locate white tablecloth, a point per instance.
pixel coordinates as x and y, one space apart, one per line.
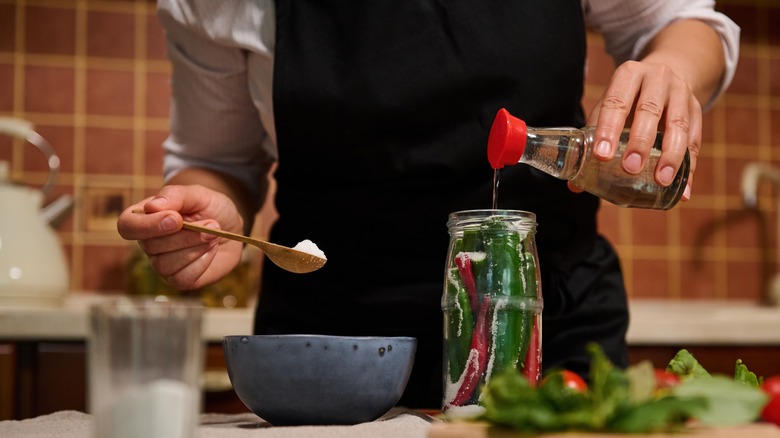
73 424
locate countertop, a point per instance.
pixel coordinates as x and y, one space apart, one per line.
71 322
703 322
653 322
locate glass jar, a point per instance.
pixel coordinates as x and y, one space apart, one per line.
492 302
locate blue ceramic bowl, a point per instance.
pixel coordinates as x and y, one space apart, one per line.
318 379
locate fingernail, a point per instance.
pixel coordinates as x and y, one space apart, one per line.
666 175
603 149
632 163
687 192
169 223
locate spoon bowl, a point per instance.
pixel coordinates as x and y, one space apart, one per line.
289 259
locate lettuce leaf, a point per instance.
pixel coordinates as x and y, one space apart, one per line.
729 402
686 366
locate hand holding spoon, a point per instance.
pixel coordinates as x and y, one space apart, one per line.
290 259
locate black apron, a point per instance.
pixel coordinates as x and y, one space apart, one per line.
382 113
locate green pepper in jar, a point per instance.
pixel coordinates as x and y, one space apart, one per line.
502 249
460 324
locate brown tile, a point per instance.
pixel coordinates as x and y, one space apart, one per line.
50 30
111 34
698 279
150 192
699 228
49 89
774 125
649 279
6 87
108 151
704 177
155 38
34 160
61 139
609 221
154 152
105 267
747 230
110 92
158 94
745 280
7 28
774 76
649 227
746 76
707 127
742 127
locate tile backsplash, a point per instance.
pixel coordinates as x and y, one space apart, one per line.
93 78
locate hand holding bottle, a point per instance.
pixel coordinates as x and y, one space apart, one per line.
567 153
652 98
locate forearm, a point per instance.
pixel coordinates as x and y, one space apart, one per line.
224 184
694 52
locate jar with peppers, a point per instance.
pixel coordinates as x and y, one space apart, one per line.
492 302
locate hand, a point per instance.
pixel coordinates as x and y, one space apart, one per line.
653 99
186 259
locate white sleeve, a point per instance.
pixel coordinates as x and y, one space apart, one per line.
627 27
214 122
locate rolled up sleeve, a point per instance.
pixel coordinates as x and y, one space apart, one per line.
214 122
628 26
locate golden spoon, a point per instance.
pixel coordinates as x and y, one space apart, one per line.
289 259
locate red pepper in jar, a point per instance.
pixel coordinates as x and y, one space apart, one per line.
532 370
478 356
463 260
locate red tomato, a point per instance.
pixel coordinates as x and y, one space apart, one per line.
666 379
574 381
771 412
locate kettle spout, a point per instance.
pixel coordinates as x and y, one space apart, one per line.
57 210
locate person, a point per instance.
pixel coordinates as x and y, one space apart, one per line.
377 114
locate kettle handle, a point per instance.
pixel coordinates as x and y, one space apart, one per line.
23 130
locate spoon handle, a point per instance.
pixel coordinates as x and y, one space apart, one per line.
226 234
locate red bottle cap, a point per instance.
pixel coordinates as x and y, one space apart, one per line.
506 142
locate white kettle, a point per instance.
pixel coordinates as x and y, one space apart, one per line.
33 269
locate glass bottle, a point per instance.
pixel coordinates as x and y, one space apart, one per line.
567 153
492 302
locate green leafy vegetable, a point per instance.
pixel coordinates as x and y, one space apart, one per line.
729 402
609 405
658 415
743 375
641 381
686 366
622 401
